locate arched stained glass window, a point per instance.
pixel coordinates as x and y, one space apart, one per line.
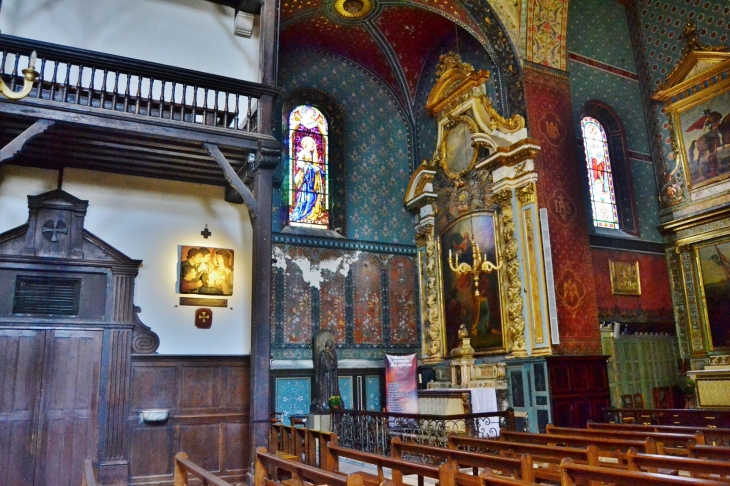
600 179
308 169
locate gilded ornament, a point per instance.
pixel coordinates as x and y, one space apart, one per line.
353 9
509 125
527 194
434 344
516 321
450 61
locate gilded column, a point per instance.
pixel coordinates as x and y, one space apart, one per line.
516 319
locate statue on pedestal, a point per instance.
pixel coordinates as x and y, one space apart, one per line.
324 377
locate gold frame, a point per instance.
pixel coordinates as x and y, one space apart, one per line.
615 284
700 285
677 110
501 279
452 123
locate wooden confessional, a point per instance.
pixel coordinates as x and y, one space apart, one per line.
68 329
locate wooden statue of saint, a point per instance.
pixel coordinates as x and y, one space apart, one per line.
324 376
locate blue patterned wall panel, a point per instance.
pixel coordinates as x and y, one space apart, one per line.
598 29
345 383
376 147
292 397
647 203
620 93
372 393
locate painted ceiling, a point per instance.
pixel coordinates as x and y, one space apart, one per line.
392 38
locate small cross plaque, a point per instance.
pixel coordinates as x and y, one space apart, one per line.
206 233
203 318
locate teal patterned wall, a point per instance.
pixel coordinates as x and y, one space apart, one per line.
658 39
292 397
598 30
377 146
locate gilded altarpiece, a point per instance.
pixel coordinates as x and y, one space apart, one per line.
476 202
695 97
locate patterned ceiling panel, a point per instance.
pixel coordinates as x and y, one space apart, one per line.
412 33
290 8
351 41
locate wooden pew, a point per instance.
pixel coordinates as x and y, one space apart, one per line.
647 446
574 474
713 436
694 466
267 468
398 467
88 478
508 466
184 467
306 445
716 453
547 458
667 443
449 475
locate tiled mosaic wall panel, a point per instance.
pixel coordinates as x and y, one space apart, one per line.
292 397
370 299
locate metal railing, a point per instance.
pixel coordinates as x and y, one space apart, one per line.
373 431
106 82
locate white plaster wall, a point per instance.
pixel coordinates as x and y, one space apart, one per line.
192 34
148 219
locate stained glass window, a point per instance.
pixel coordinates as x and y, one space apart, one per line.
308 174
600 180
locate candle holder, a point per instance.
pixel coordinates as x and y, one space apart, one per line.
479 265
29 77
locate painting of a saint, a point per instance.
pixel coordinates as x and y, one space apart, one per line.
308 181
206 271
714 260
481 314
705 133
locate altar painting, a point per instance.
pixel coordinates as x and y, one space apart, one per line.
481 314
714 263
308 177
704 135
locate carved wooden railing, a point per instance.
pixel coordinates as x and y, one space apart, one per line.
373 431
119 84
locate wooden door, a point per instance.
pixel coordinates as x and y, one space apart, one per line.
21 360
68 431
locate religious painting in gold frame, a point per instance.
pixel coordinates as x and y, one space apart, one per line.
713 268
458 152
702 132
481 314
625 278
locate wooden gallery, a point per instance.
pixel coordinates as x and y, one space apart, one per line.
364 242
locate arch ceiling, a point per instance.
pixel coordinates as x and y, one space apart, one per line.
392 38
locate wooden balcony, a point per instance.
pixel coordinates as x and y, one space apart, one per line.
116 114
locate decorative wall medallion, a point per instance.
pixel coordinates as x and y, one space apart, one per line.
562 207
51 230
552 128
353 9
570 290
625 278
203 318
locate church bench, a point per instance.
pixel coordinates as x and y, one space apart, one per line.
647 445
307 445
713 436
670 443
398 467
268 472
516 467
449 475
88 478
184 467
546 458
574 474
694 466
718 453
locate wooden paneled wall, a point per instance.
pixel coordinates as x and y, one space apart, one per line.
208 402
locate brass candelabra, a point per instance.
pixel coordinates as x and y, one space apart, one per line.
30 76
479 265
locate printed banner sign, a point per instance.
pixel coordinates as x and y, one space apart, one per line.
401 389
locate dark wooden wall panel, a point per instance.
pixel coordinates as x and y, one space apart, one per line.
579 386
207 399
